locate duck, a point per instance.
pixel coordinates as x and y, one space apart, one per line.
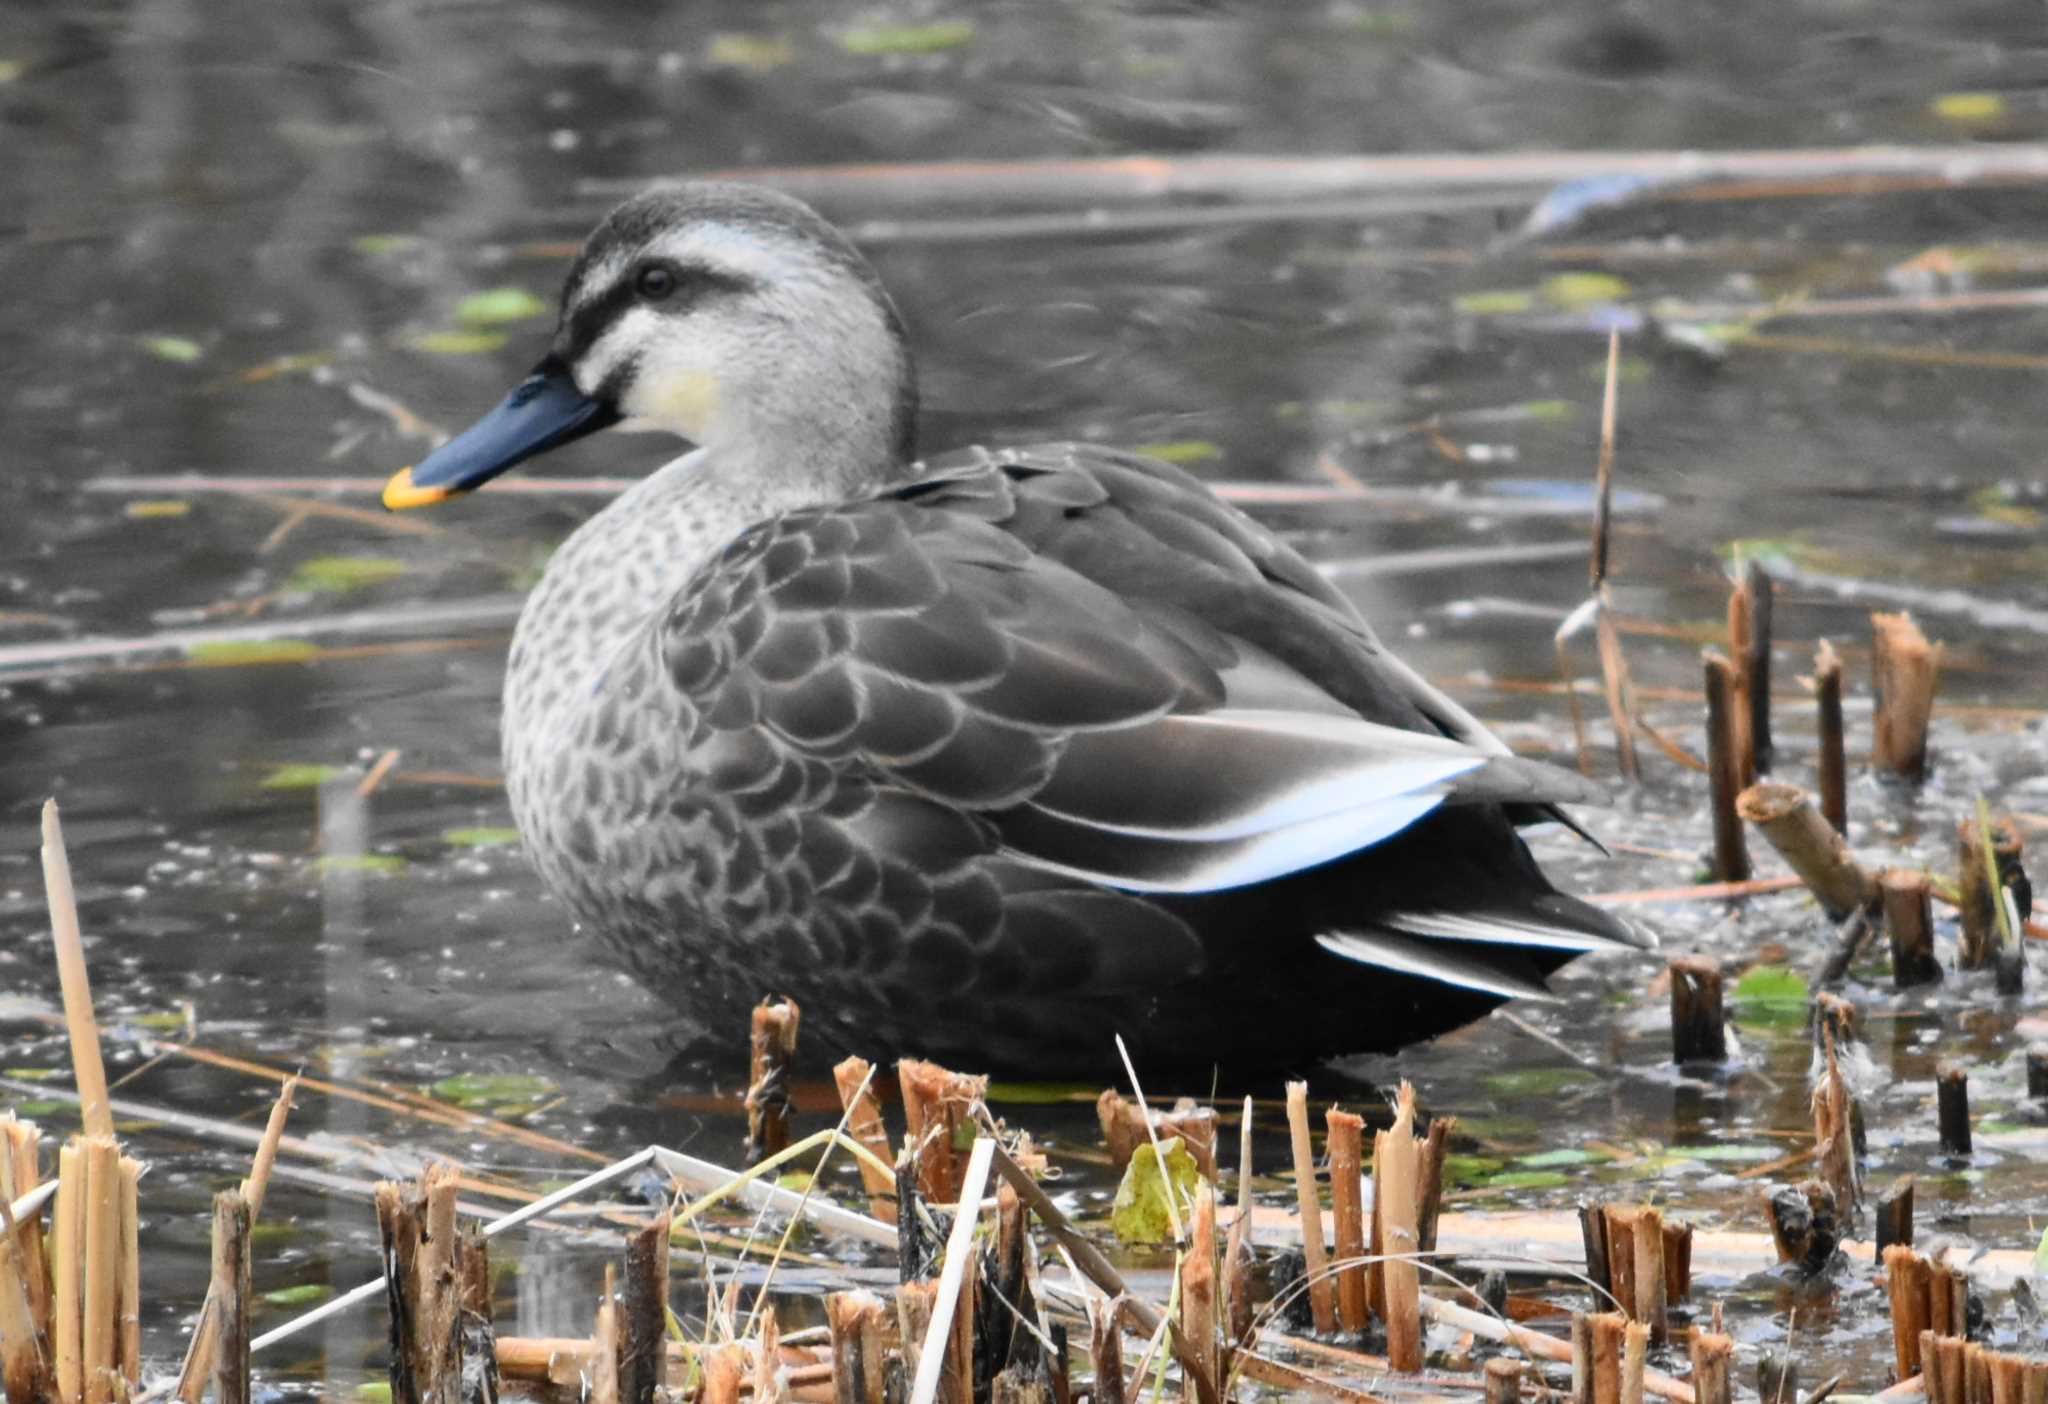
990 756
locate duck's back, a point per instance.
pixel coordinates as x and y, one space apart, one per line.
1046 744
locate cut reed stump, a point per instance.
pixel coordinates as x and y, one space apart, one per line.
1749 639
1982 906
2037 1071
1123 1126
1503 1381
1396 1202
1805 1226
230 1289
1833 1134
1810 846
1699 1032
1314 1255
1903 668
1952 1110
1724 767
855 1080
1346 1134
1894 1215
1777 1379
1712 1357
1198 1314
936 1105
771 1047
1831 770
1909 925
25 1368
424 1286
643 1323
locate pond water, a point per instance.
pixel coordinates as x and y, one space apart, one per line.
295 242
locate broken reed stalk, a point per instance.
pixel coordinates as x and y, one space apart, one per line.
1538 1345
2037 1071
1311 1205
1831 769
478 1346
1724 767
643 1322
855 1320
771 1049
1610 1328
1239 1308
1982 902
1396 1203
854 1077
947 1347
1906 1276
1894 1215
198 1366
1832 1138
1198 1321
1804 1226
1712 1378
1503 1381
1903 668
1952 1106
1635 1348
1811 846
67 1234
94 1108
1345 1133
1621 1254
25 1372
1749 640
1127 1125
1699 1029
229 1289
1105 1349
1431 1173
1649 1306
103 1271
1909 925
1614 676
1677 1262
936 1104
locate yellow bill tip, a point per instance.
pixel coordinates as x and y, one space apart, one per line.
402 492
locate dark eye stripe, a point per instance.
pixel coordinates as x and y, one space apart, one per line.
589 321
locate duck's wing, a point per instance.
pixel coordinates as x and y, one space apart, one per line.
1043 670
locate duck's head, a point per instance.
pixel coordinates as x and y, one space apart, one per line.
729 315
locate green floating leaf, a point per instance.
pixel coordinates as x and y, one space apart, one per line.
336 575
181 349
374 1392
272 1233
360 863
1463 1169
161 507
455 343
796 1180
1139 1213
907 38
236 653
1528 1180
1533 1082
1969 107
1576 290
758 53
304 1295
1771 994
36 1107
159 1019
378 245
1733 1153
480 837
299 776
1180 451
1039 1094
1556 1159
2041 1256
498 306
493 1089
1500 302
32 1074
1548 411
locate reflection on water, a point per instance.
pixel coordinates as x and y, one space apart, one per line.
291 241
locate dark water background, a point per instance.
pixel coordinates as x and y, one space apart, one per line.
238 241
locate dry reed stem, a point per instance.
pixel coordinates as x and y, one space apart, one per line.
23 1151
936 1104
90 1072
1831 778
771 1044
1712 1355
725 1372
1903 669
67 1286
1609 1329
1731 857
1906 1283
1396 1202
1344 1132
1198 1318
1649 1305
24 1361
102 1244
854 1078
1909 926
643 1320
1831 1131
1980 903
128 1305
1811 846
944 1349
230 1288
1310 1203
1536 1344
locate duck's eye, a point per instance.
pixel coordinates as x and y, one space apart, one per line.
656 282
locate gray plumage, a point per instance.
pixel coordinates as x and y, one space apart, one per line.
988 755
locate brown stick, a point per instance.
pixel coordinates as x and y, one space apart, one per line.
1198 1320
230 1288
1310 1202
854 1078
1810 845
1635 1348
91 1073
1832 1135
1903 667
1906 1278
1753 655
1649 1305
1895 1217
1909 924
1431 1172
643 1321
1621 1253
1677 1262
1832 771
725 1374
1724 768
1345 1135
1699 1031
1952 1098
1395 1202
67 1279
771 1048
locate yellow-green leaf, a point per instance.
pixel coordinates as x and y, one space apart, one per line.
498 306
1499 302
182 349
1573 290
1182 451
454 343
1969 107
756 52
153 508
493 1089
907 38
1139 1213
334 575
360 863
235 653
482 837
303 1295
299 776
